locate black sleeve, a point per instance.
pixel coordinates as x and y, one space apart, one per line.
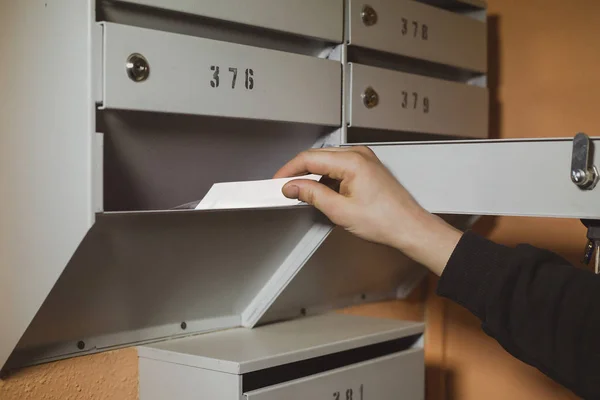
542 310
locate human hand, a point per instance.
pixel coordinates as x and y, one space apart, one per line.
371 203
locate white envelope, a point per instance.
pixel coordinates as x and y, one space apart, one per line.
250 194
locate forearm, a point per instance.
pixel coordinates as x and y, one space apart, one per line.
431 242
538 307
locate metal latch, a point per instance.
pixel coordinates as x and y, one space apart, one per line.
593 245
583 173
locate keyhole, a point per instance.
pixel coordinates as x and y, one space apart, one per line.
137 67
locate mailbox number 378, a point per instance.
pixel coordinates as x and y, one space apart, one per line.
215 82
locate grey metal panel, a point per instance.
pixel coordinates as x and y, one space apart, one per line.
417 30
528 178
341 272
288 270
285 87
46 135
397 376
98 173
239 351
417 104
161 380
347 271
321 19
137 276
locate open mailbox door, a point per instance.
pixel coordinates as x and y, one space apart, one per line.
142 277
497 177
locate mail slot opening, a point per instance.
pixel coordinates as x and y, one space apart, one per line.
161 161
401 63
300 369
459 6
366 135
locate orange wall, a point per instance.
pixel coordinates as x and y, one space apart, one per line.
105 376
544 60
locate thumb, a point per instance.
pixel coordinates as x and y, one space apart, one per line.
316 194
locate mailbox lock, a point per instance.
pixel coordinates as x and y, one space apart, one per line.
368 15
370 97
137 67
583 173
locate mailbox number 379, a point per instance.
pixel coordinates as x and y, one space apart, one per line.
216 77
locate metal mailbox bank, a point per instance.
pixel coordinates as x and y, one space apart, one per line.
114 113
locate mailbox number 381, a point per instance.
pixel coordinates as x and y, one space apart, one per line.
349 394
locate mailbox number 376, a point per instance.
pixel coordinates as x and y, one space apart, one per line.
233 71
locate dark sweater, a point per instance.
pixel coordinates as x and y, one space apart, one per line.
541 309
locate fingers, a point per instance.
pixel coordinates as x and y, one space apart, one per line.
335 163
318 195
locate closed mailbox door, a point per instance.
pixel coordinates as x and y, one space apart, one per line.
413 29
190 75
398 376
414 103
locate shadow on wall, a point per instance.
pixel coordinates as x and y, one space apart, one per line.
482 351
439 378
